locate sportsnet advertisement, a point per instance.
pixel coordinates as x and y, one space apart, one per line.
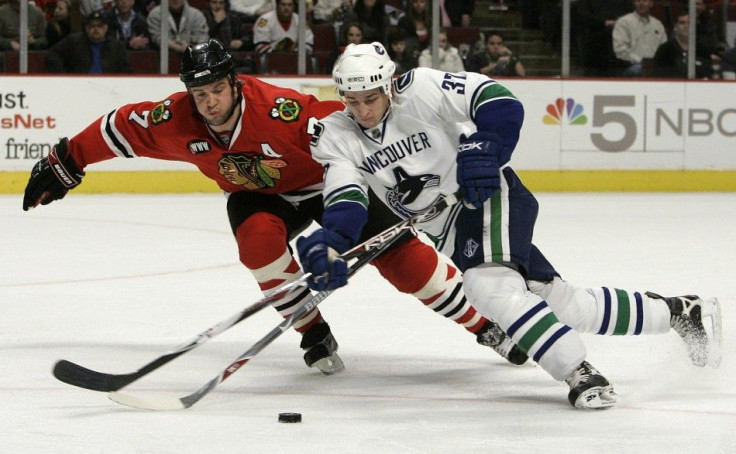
570 125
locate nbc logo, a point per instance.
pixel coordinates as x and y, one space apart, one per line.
568 109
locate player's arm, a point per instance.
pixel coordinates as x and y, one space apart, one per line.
62 170
498 116
346 213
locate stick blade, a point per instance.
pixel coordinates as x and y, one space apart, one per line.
158 403
76 375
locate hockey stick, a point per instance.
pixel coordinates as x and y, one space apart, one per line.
371 249
76 375
80 376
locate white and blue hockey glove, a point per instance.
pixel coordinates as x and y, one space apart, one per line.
318 255
478 167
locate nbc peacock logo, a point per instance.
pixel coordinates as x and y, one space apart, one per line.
566 109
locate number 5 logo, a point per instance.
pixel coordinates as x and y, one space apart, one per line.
603 115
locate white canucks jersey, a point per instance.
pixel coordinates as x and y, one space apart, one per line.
409 159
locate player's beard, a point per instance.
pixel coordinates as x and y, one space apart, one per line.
224 118
220 120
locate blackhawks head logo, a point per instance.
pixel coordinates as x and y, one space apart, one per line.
251 172
161 112
286 109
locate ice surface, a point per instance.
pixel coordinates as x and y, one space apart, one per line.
112 282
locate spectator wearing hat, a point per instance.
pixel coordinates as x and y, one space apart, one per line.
90 51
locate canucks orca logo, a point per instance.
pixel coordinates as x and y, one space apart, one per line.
408 189
379 49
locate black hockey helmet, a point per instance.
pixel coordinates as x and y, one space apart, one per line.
205 63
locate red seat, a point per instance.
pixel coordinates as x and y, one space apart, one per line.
36 63
199 4
324 37
144 61
286 63
463 35
174 62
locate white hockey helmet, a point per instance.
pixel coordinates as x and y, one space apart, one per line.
364 67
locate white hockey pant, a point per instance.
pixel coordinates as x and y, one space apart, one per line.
501 294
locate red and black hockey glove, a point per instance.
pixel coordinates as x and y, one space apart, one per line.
52 177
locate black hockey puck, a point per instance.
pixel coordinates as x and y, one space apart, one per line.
290 417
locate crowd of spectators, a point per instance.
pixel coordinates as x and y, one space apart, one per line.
610 37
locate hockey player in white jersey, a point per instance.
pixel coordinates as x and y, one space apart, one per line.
429 134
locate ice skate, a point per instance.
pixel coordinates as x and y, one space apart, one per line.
589 389
491 335
698 323
321 348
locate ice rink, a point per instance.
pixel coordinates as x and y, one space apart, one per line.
112 282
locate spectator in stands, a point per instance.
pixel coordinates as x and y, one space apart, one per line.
250 10
10 27
226 27
729 64
128 25
637 35
330 12
456 13
371 14
60 23
594 27
352 34
417 23
707 37
670 60
398 51
187 25
449 56
47 6
497 60
87 7
143 7
277 30
90 51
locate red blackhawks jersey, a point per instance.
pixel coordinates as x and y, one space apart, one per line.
267 152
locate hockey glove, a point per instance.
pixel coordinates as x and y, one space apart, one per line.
318 255
52 177
478 167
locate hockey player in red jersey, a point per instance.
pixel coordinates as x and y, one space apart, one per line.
252 139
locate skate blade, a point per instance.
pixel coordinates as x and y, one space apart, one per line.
330 365
597 398
713 324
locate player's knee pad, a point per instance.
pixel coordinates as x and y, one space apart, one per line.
574 306
493 290
262 238
500 293
411 266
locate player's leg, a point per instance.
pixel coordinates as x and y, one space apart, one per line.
613 311
415 268
262 225
493 246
